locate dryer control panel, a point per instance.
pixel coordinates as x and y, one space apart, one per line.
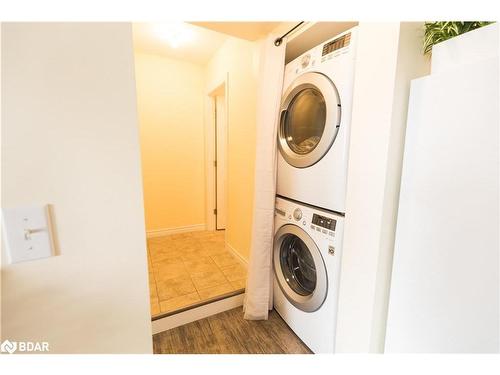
325 57
336 44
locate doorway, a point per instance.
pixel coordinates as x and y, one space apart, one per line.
183 133
218 99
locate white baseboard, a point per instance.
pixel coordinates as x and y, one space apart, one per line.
238 256
197 313
168 231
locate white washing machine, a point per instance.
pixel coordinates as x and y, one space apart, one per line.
306 264
314 124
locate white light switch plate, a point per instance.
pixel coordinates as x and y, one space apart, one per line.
27 233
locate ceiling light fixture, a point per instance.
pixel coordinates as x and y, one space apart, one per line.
175 33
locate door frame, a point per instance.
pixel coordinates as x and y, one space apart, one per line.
210 150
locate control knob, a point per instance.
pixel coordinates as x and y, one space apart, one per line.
297 214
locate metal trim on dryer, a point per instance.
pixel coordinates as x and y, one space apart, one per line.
322 84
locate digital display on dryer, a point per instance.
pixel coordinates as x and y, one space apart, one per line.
336 44
324 222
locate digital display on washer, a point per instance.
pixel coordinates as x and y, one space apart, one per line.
324 222
336 44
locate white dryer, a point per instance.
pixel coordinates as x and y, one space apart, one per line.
306 264
314 124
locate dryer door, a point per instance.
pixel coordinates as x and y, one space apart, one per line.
299 268
309 119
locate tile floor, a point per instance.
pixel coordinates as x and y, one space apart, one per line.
188 268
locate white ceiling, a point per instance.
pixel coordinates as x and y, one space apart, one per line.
203 41
244 30
198 48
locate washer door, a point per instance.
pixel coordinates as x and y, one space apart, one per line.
309 119
299 268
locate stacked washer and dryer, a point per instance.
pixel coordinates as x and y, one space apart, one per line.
313 141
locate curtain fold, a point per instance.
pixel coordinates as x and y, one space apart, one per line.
259 285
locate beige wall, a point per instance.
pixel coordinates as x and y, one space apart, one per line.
70 138
170 96
237 59
1 124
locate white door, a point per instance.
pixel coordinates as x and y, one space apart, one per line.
220 162
309 119
299 268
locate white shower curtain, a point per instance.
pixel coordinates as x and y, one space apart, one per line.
259 286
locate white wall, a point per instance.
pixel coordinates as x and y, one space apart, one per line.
445 283
70 138
383 74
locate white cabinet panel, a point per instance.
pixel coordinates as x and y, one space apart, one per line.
445 281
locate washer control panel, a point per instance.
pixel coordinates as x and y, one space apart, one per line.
316 222
323 224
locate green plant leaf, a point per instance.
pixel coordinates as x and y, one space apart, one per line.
439 31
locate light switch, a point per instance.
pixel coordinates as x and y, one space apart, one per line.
27 233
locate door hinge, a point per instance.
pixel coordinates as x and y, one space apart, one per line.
215 211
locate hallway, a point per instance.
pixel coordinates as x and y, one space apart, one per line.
189 268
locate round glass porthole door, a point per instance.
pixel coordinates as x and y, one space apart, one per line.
297 265
304 122
299 268
309 119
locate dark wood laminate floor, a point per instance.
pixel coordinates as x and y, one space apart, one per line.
229 333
